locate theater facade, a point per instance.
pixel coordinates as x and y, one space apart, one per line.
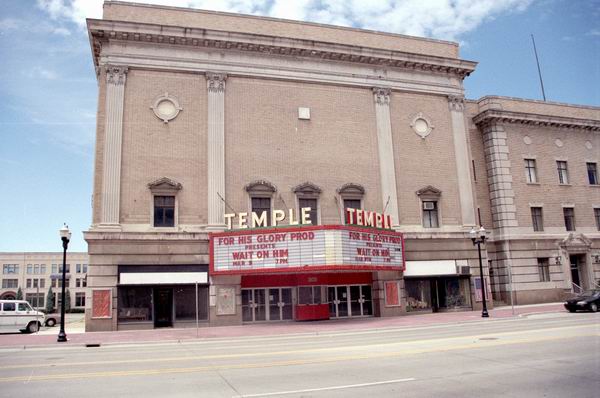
252 169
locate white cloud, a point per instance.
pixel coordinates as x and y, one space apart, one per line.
443 19
594 32
39 72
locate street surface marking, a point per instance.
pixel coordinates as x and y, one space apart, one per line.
377 383
413 351
292 352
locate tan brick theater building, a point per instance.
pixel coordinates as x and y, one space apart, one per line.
221 136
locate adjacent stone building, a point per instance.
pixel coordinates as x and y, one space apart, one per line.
203 114
35 272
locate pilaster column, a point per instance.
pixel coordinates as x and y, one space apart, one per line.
504 210
387 169
461 152
113 128
216 148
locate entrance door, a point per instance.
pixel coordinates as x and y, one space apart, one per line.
575 273
274 305
350 301
163 307
280 304
256 301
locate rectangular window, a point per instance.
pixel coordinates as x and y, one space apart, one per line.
79 299
43 269
29 269
544 269
537 218
60 268
135 303
54 268
10 283
530 171
42 283
84 268
164 211
592 170
36 300
10 269
597 218
77 282
28 284
185 303
430 214
261 205
84 282
312 203
308 295
58 282
569 214
36 269
9 307
352 204
35 282
78 268
563 174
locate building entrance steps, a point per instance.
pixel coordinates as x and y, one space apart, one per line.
77 337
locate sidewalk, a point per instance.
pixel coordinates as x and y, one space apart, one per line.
77 336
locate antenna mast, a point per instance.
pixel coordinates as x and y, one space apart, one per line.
538 67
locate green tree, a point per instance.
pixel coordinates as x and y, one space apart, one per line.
67 300
19 294
50 301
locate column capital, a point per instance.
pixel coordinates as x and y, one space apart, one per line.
456 103
382 95
116 74
215 82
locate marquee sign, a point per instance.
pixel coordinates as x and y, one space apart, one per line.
330 247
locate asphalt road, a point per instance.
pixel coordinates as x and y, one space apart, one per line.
550 355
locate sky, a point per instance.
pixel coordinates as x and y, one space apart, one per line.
48 87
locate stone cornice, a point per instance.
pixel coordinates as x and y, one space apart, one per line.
491 116
101 31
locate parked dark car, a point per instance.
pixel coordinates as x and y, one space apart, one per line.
588 300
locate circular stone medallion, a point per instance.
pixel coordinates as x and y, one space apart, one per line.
588 145
166 107
527 140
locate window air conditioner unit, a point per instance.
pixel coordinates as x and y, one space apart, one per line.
463 270
428 206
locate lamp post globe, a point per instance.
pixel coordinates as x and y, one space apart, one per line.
65 236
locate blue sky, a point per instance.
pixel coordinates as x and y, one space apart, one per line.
48 85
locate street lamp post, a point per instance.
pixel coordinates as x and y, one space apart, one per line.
478 238
65 236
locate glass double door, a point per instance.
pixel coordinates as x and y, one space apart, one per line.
350 301
272 304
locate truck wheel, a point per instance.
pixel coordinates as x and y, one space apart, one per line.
33 327
51 322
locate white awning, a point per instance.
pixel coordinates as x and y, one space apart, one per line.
162 278
430 268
